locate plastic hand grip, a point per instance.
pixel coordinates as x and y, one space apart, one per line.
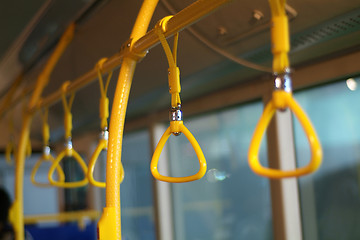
281 100
61 156
90 174
42 159
178 126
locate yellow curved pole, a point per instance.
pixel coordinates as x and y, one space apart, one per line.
16 212
109 226
178 127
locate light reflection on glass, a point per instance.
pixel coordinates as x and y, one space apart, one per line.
351 84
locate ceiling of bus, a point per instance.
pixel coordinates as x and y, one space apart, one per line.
30 29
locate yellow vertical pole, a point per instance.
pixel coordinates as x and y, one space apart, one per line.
17 209
109 226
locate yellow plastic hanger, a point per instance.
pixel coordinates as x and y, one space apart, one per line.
69 151
176 121
46 156
281 99
10 146
104 114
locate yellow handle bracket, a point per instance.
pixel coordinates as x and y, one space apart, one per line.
178 127
281 100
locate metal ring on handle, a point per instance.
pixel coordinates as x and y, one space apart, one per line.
68 152
103 144
43 158
281 100
178 127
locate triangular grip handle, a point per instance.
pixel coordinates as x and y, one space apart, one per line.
155 159
90 174
281 100
78 158
42 159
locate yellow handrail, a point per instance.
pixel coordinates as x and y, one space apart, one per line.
69 151
78 216
109 226
46 156
16 211
176 124
104 114
281 99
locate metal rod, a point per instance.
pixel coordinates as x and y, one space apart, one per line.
181 20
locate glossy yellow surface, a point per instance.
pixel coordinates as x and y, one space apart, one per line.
109 226
281 100
178 126
280 43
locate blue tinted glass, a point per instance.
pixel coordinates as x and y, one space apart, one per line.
330 198
230 202
137 213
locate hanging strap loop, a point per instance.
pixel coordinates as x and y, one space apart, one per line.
46 156
104 114
69 151
173 70
104 100
281 99
176 120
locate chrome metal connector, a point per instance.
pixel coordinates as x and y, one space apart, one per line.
104 134
283 81
46 150
68 143
176 114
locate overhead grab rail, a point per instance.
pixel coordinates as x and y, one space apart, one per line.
69 151
46 156
104 136
282 99
176 119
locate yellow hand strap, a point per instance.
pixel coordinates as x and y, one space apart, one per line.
279 36
176 124
104 100
281 99
173 71
103 143
46 154
68 151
